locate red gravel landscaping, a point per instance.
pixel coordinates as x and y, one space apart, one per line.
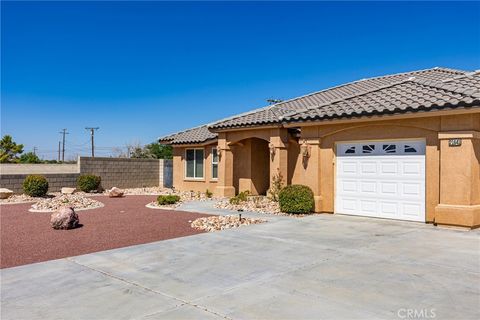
27 237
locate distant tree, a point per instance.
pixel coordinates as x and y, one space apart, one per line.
160 151
9 150
140 153
29 157
50 161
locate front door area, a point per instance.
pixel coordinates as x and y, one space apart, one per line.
383 179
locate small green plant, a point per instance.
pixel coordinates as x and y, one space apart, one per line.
208 194
88 182
239 198
35 186
277 185
296 199
167 199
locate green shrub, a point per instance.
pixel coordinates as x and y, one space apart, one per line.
208 193
241 197
167 199
296 199
35 186
88 182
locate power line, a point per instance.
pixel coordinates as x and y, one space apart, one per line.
92 134
63 132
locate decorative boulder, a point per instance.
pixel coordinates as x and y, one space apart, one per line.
115 192
66 218
66 190
5 193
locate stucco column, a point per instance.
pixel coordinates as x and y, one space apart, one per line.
459 179
310 154
225 186
278 154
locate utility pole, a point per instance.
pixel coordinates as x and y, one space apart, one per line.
92 135
63 132
59 151
35 150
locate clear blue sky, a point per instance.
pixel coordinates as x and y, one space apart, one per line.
142 70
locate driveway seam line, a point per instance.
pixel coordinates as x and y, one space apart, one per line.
151 290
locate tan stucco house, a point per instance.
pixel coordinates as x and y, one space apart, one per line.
403 146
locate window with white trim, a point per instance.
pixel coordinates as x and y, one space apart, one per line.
214 163
194 163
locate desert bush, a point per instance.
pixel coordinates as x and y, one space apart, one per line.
241 197
35 186
277 185
296 199
167 199
88 182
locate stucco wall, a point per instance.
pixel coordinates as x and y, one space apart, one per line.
186 184
452 173
251 166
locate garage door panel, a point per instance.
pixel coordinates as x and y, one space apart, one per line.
369 187
369 206
348 167
349 205
389 188
368 167
412 168
412 189
348 186
389 208
382 179
388 167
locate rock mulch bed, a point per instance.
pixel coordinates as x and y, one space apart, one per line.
184 196
217 223
259 204
19 198
254 204
155 205
76 201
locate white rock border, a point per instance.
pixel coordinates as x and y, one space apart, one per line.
76 209
18 202
152 206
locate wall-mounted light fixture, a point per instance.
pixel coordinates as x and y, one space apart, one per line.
305 149
271 146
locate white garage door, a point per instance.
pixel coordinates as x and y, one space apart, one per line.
381 179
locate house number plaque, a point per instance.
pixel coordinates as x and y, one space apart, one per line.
454 142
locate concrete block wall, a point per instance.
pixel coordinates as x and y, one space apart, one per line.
115 172
56 181
38 168
123 172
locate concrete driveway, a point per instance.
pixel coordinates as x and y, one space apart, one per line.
323 266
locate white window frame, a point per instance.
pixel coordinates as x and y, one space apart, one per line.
214 163
194 164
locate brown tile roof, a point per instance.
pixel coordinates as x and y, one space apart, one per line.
410 95
194 135
404 92
272 114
